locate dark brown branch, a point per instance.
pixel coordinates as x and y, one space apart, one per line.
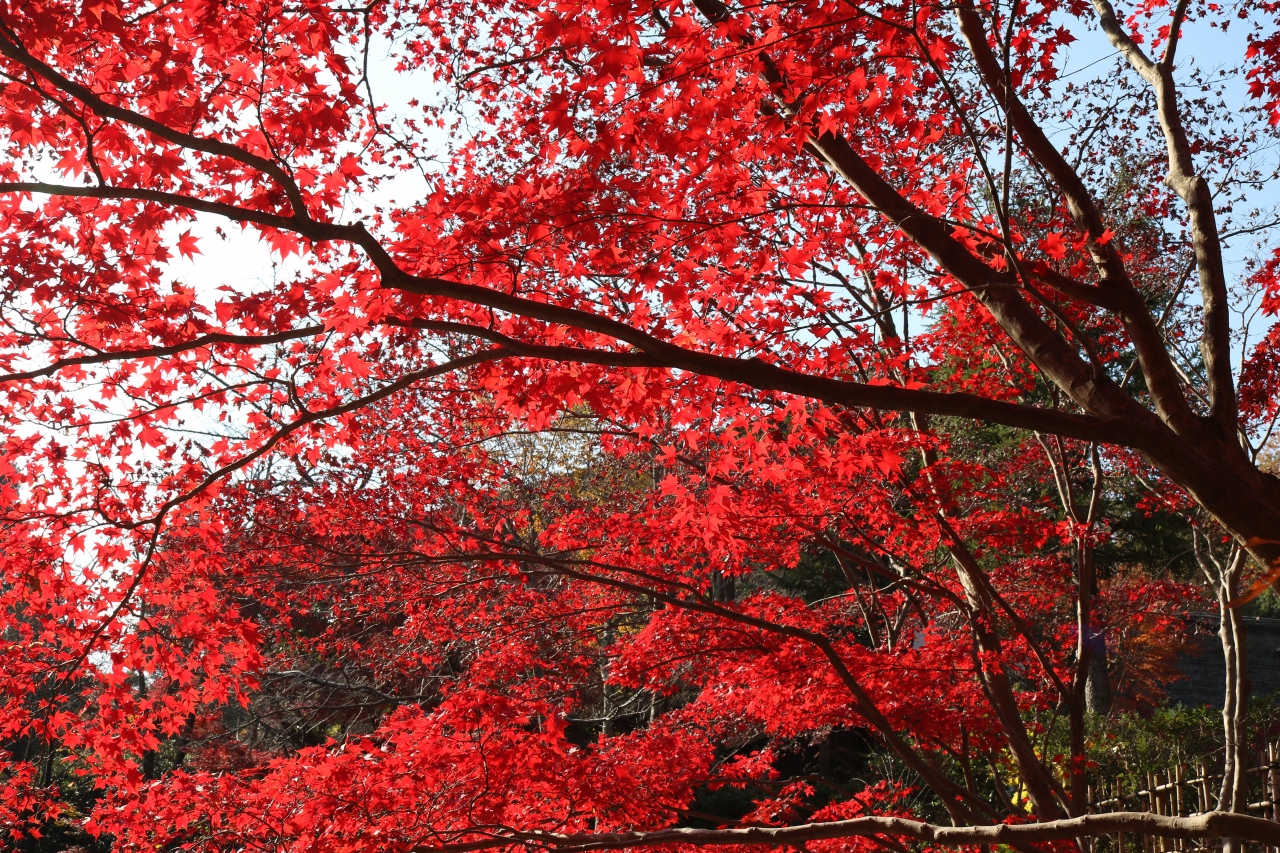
12 48
578 355
1120 293
754 372
997 291
160 351
230 211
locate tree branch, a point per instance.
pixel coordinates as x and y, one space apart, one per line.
12 48
160 351
1204 826
1193 189
1130 430
1162 378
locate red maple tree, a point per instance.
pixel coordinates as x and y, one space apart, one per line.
745 390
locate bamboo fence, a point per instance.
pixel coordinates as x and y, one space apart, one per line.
1180 791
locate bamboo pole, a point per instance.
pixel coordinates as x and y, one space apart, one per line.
1274 780
1148 842
1120 804
1179 778
1203 790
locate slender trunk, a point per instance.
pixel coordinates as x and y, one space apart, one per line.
1235 706
723 588
148 756
1097 683
1097 688
1042 788
1233 795
1084 659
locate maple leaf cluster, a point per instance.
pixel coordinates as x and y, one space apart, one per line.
677 416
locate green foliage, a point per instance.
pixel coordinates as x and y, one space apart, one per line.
1159 542
1129 746
1266 605
816 576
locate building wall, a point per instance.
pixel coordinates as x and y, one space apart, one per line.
1205 676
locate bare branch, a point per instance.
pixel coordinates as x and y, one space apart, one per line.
1204 826
1193 189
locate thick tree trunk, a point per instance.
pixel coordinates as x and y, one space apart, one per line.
1093 643
1217 473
